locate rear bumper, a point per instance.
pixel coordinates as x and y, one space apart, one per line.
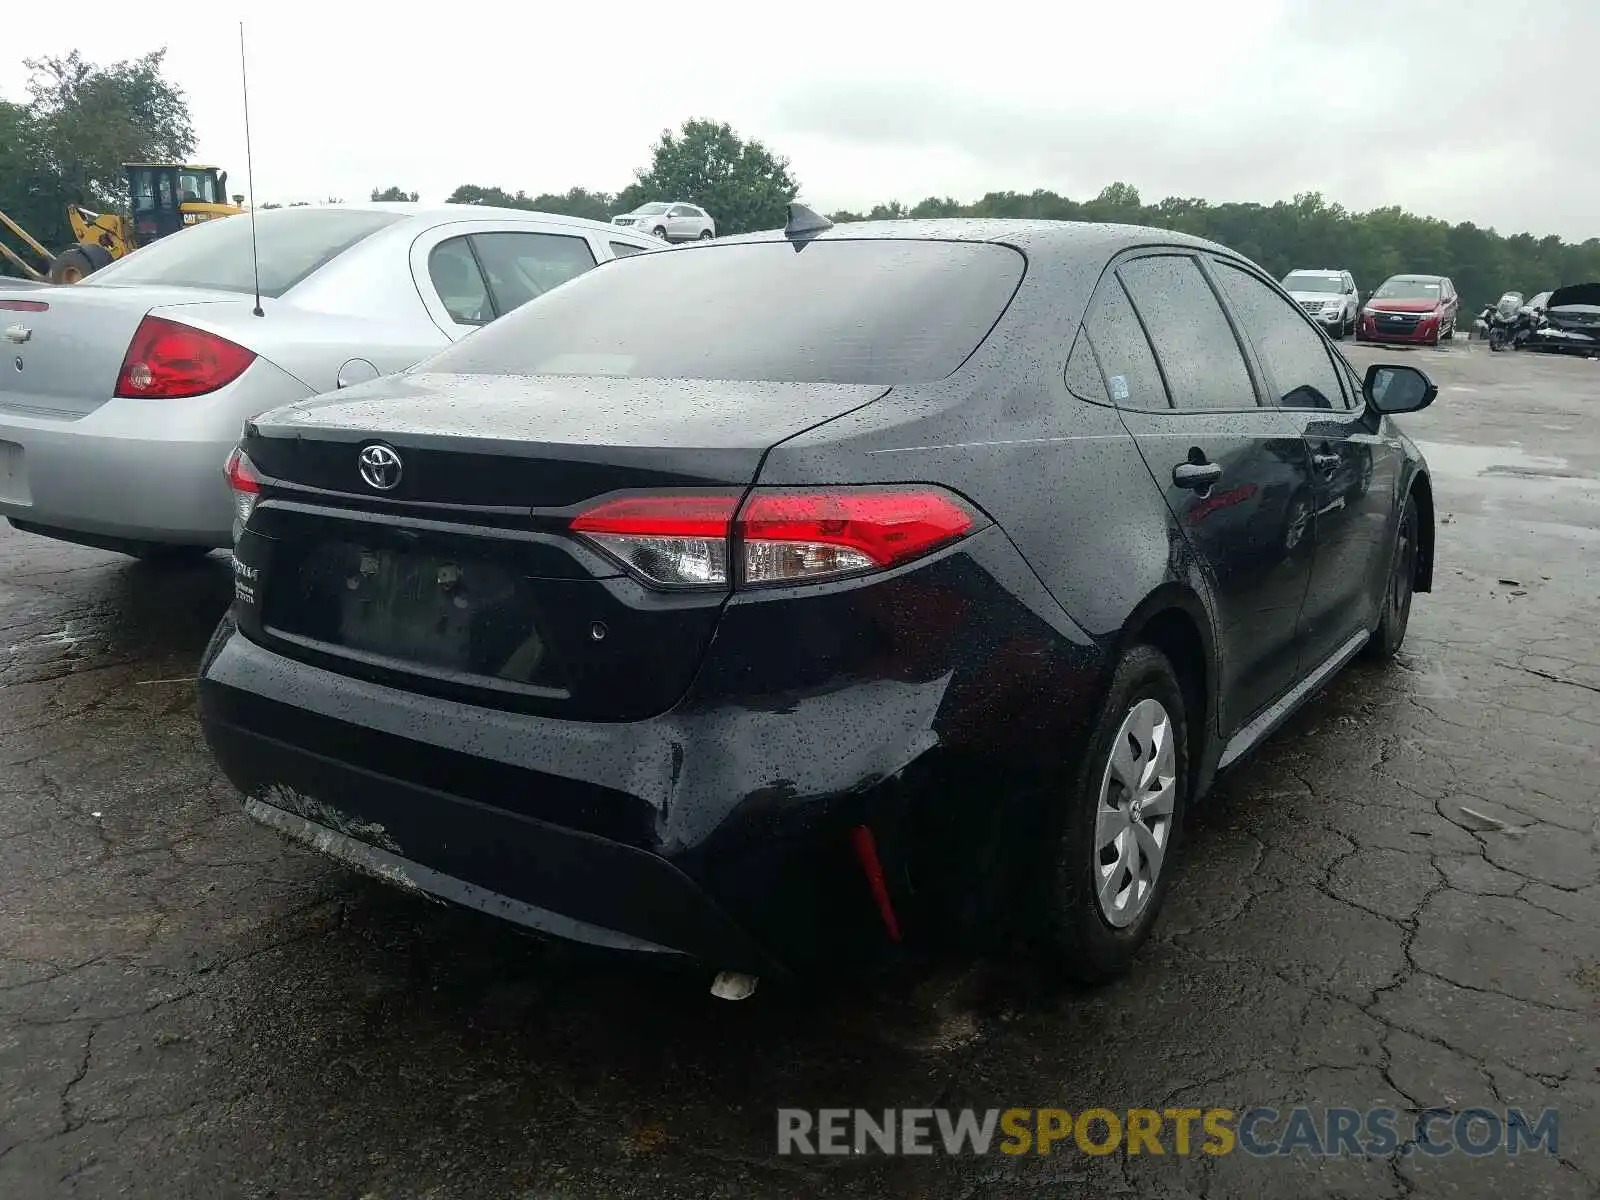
411 808
553 881
726 829
137 470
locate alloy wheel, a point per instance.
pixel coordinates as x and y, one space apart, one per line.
1133 821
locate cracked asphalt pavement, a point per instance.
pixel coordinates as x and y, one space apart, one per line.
1395 902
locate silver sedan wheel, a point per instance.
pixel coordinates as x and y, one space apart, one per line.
1133 824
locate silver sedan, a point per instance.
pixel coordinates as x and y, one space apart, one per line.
122 396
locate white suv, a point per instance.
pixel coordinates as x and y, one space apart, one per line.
1328 296
671 222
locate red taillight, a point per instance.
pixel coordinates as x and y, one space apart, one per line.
792 536
246 486
673 539
168 361
24 306
781 535
673 515
241 473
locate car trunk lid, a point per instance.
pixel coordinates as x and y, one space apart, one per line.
463 578
64 346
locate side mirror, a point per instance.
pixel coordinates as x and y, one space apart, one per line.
1392 389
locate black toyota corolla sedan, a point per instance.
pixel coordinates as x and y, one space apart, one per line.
804 596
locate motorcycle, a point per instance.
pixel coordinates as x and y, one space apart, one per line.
1507 322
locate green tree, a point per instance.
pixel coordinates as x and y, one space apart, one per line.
67 144
576 202
393 193
743 185
471 193
29 191
1310 231
92 119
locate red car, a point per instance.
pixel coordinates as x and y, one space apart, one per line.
1420 309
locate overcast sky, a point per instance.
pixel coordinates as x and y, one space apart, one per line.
1463 109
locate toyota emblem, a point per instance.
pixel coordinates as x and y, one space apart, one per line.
380 467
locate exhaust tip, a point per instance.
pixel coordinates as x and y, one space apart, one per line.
734 985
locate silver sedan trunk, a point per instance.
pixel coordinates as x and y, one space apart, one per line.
121 396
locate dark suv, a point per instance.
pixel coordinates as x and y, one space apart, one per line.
914 590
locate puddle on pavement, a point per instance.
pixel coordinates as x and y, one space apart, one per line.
1475 462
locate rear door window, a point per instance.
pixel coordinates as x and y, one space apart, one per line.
1199 355
623 249
1292 352
520 266
1083 372
454 272
860 311
1131 377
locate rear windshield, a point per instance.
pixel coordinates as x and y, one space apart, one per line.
293 242
866 312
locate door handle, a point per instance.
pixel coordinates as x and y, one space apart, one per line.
1326 463
1196 477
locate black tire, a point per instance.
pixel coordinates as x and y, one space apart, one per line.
705 235
1079 939
660 231
71 265
1400 586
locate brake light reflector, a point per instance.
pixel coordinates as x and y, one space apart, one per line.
246 487
781 535
169 361
794 536
672 539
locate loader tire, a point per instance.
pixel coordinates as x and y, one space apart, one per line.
83 259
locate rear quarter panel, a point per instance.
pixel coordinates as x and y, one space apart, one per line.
312 346
1060 476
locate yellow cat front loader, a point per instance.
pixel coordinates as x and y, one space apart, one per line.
162 198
